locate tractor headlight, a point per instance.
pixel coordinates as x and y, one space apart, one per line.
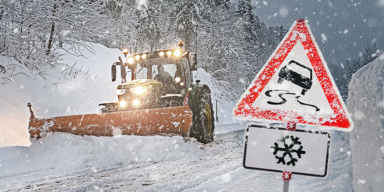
144 56
169 53
139 90
177 53
136 103
177 79
130 60
182 83
137 57
120 91
189 88
122 103
161 54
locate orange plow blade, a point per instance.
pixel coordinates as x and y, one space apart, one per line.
173 120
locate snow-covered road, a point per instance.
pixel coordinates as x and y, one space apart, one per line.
158 176
185 173
213 167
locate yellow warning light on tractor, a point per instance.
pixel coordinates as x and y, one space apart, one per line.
125 51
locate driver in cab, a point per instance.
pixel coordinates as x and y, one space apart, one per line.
164 77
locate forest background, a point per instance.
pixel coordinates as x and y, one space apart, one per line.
230 41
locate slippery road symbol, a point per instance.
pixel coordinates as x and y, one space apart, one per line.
283 100
287 74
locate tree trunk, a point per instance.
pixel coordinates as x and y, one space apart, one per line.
50 40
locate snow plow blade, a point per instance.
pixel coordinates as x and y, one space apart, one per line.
172 120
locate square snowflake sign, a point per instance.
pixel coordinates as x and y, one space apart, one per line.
303 152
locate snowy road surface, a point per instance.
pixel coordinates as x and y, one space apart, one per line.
213 167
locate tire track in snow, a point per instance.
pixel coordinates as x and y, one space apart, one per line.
225 150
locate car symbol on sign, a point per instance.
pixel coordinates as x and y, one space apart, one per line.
287 74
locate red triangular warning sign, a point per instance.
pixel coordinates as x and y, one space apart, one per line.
295 85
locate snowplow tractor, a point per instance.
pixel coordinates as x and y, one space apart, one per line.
161 98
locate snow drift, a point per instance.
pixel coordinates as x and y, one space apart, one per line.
70 88
366 103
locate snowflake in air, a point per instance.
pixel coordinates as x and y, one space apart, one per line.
289 142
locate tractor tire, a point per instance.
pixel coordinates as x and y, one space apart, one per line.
203 119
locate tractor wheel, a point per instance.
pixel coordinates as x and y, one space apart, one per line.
203 119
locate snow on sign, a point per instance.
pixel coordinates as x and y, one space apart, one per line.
295 85
276 149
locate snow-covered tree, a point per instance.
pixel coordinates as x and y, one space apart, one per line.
32 31
230 41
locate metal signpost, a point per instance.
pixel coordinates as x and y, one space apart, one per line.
294 87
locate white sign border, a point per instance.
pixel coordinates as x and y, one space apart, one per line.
254 125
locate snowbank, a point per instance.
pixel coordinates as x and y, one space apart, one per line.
366 103
68 89
62 152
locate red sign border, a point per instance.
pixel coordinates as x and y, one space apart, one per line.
300 27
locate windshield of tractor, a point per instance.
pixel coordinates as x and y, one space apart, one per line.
171 71
168 68
148 69
142 72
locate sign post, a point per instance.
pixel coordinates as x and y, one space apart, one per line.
294 86
287 175
286 178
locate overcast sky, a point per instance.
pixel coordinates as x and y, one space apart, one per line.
342 28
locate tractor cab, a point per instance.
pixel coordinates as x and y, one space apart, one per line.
173 72
158 79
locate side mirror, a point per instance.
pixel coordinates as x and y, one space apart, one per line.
123 73
113 70
193 59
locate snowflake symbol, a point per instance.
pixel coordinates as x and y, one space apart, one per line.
288 149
